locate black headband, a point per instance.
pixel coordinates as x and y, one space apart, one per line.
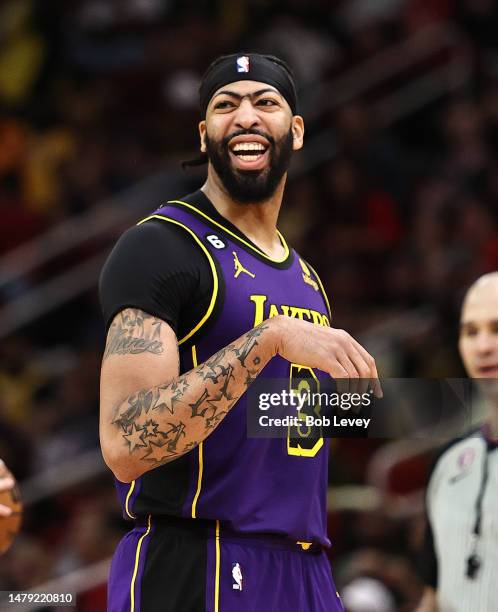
248 67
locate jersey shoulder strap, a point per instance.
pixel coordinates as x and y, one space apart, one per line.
167 215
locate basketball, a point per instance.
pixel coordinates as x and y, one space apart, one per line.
10 525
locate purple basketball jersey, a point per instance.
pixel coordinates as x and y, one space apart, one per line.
251 485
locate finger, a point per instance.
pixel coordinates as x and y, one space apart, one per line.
367 358
5 511
373 374
358 383
377 388
363 362
362 368
353 374
340 375
352 360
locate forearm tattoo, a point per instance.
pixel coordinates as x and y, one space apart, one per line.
156 423
128 336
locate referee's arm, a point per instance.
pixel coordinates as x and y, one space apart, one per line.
428 571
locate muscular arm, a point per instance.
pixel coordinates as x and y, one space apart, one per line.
149 414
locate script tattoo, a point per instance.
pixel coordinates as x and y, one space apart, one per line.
155 422
132 332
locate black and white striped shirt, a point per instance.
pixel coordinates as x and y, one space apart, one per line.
464 473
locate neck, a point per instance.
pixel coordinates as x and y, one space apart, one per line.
258 221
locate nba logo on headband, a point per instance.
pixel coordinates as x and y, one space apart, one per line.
243 64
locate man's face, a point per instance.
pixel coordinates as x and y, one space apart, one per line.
249 135
479 334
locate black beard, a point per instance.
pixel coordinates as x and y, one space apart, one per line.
251 186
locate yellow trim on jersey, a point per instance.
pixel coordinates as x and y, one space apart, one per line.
299 451
213 270
304 452
199 480
137 560
322 289
127 507
200 450
217 574
225 229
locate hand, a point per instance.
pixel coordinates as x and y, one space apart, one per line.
328 349
6 482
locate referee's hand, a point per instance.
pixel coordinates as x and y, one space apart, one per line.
331 350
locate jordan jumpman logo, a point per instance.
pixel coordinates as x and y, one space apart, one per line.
239 268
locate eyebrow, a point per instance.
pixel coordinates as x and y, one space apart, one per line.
233 94
471 323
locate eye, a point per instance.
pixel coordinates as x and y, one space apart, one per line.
223 105
468 330
266 102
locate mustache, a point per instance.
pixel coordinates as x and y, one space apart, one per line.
250 132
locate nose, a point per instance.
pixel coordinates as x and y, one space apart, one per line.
485 343
247 116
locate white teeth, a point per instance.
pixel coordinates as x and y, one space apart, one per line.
249 157
248 146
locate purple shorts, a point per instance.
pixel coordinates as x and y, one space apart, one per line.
199 567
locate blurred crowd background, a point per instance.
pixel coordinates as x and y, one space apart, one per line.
394 199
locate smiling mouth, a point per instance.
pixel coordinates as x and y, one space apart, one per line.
249 151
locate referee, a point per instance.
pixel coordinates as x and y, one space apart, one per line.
461 546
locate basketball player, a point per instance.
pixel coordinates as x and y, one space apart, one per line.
200 299
6 482
461 551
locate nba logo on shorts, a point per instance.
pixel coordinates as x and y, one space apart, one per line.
236 577
243 64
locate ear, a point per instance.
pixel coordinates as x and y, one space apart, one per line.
297 127
202 135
